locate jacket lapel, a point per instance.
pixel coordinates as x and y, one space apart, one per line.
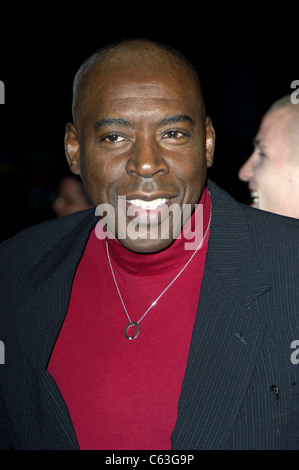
46 306
227 336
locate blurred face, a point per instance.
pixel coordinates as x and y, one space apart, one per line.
70 198
142 137
271 173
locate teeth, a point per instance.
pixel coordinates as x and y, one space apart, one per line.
148 205
255 196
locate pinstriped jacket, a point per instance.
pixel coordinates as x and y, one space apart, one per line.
241 385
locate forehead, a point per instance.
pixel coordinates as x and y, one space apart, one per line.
272 135
122 88
273 124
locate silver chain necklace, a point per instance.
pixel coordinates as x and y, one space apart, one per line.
134 323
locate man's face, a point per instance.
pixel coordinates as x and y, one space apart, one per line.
269 170
142 137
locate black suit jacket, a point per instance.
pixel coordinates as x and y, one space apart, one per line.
241 386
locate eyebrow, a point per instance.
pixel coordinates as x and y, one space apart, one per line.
258 143
112 122
175 119
124 122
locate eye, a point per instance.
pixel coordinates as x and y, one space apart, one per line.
174 134
113 139
261 153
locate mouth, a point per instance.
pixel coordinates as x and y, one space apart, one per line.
149 209
150 202
255 198
149 205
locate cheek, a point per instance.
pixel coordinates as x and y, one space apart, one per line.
194 179
191 162
269 183
197 168
268 173
95 178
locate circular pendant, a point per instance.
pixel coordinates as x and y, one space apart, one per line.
135 325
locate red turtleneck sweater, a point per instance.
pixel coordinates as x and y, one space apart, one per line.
124 394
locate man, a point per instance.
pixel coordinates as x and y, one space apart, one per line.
272 171
114 341
71 197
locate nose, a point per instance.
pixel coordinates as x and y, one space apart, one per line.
146 159
246 170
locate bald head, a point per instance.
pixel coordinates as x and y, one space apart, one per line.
291 127
135 55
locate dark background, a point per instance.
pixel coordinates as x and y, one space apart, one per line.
243 69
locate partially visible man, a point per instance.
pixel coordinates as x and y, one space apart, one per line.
272 171
71 197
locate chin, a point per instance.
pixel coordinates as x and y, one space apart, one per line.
146 246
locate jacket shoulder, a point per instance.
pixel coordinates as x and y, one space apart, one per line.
272 236
274 228
260 223
29 245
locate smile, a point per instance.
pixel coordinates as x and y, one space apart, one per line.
148 205
255 197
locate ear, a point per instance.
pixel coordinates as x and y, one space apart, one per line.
210 141
72 148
